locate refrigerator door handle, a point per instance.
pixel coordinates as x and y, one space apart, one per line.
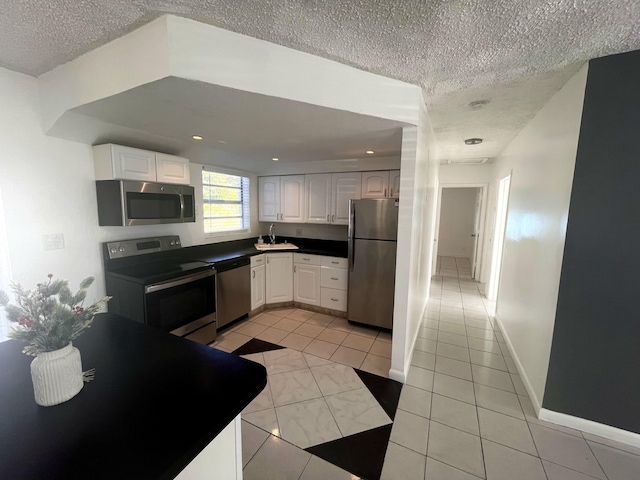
351 233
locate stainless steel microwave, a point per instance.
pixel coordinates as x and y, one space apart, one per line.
127 203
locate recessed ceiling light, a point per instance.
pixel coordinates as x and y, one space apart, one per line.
196 137
478 103
473 141
275 159
370 152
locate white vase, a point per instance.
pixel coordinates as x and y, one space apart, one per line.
57 375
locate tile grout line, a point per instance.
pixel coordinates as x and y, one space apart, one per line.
594 455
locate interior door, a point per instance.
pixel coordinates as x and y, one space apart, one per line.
475 257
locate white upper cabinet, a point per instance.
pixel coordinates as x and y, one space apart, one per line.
117 162
172 169
292 199
318 198
394 184
269 199
375 184
344 187
281 199
321 198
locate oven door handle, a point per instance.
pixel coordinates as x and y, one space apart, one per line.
180 281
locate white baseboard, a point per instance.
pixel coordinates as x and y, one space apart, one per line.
577 423
595 428
537 403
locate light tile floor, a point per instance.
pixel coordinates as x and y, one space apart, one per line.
463 413
317 334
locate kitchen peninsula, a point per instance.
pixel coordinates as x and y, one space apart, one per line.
156 402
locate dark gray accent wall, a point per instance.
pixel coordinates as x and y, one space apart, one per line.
594 369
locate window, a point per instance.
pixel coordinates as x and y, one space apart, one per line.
225 202
5 274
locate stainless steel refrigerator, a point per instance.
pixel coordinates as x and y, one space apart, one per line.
373 234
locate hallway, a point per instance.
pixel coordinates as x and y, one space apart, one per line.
463 413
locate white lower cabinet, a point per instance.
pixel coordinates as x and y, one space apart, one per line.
333 299
258 284
333 283
279 277
258 280
306 283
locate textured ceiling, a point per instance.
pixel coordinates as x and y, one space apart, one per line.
516 53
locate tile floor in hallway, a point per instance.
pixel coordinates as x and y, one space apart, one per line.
463 413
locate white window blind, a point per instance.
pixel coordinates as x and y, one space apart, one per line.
5 273
225 202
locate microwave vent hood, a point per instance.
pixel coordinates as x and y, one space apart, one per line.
130 203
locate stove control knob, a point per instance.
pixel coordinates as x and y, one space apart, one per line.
172 243
121 249
177 242
114 250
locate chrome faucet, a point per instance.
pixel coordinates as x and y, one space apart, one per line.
272 235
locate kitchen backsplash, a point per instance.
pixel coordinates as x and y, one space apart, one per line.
306 230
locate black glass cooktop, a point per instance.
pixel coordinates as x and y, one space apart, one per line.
152 272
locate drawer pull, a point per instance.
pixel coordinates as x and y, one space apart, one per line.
306 259
335 263
334 299
334 278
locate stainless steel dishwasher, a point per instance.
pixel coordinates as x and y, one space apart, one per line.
233 290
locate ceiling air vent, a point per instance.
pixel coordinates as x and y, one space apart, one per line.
467 161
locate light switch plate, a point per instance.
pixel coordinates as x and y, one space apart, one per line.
53 241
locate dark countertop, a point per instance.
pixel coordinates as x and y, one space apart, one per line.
229 251
156 402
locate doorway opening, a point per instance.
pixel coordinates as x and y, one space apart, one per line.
502 204
459 230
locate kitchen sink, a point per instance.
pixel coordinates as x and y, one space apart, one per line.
277 246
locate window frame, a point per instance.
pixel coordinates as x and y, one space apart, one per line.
246 202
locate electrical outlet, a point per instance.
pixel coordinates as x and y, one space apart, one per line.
298 232
53 241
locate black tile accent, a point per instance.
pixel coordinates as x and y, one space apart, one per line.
256 345
384 390
361 454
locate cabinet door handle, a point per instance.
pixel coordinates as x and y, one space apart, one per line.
385 192
295 270
267 259
328 218
253 274
391 192
333 218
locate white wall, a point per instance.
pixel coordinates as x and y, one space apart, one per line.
416 220
457 214
542 159
47 186
466 173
